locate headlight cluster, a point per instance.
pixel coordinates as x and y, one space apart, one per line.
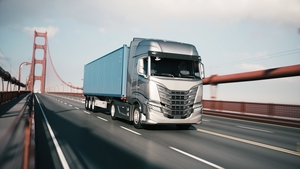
153 107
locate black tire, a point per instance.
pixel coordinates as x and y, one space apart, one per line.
93 109
90 104
113 111
183 126
137 118
86 104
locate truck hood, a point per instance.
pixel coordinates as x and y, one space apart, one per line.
176 83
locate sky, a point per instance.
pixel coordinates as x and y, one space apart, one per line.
231 36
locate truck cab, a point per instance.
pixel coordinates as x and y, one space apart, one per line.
164 83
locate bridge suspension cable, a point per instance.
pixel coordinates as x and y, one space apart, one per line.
57 75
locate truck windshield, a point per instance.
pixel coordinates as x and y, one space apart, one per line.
174 68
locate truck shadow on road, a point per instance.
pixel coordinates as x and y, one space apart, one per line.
162 127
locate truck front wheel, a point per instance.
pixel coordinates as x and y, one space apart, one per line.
137 118
113 111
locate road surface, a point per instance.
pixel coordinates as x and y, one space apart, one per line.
68 136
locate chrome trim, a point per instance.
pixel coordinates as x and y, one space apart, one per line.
175 103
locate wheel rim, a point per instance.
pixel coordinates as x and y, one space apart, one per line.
112 110
136 116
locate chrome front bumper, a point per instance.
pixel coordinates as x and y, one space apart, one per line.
156 117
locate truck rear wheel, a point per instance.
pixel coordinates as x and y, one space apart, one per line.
137 118
90 104
86 104
93 105
113 111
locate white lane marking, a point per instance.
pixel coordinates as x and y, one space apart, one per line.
251 142
77 108
70 105
101 118
196 158
130 130
267 124
87 112
57 147
65 103
250 128
205 120
79 99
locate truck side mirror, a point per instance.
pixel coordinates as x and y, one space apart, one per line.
201 70
140 67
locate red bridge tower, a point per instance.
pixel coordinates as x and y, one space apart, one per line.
32 76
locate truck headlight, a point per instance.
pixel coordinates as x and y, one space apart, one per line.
198 107
155 108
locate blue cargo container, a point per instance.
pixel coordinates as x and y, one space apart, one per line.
107 75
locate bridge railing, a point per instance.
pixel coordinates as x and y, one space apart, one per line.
269 109
67 94
6 96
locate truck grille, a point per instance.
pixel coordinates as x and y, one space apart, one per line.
177 104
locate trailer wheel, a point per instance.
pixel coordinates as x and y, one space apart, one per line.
86 103
137 117
93 105
90 104
113 111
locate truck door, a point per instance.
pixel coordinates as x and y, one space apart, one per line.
134 79
139 79
142 85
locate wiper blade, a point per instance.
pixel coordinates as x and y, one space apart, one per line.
164 74
188 76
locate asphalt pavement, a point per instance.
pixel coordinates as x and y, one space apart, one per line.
68 136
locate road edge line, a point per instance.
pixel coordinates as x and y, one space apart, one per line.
57 147
283 150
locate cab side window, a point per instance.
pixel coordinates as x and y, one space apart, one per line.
143 66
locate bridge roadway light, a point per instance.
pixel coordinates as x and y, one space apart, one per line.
63 88
20 71
27 82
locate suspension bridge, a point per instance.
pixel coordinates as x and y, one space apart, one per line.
45 125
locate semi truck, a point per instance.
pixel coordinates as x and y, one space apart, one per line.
150 82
